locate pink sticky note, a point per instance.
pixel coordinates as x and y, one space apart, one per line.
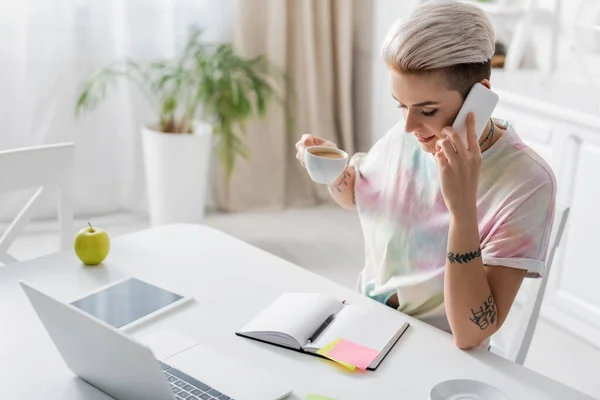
353 354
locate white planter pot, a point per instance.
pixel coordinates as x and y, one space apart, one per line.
176 168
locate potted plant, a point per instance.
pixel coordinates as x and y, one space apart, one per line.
208 90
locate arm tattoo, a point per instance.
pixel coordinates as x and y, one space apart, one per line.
353 197
463 258
343 181
486 314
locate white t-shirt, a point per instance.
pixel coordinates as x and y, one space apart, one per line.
405 220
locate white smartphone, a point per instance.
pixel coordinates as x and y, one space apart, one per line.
481 101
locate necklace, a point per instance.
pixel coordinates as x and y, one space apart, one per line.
489 135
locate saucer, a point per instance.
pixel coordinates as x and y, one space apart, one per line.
465 389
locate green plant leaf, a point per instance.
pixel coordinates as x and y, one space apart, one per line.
210 80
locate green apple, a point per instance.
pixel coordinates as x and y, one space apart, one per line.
91 245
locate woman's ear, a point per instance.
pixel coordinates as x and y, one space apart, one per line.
486 83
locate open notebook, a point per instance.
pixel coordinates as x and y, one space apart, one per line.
296 318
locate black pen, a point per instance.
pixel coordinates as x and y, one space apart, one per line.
321 328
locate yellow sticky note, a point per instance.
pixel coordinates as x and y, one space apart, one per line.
312 396
327 348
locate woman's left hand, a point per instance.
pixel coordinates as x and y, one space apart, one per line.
459 168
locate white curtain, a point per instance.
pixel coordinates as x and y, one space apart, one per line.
312 41
47 47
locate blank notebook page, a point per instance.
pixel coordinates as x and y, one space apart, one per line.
296 314
363 326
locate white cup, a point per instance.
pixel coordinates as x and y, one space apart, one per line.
324 170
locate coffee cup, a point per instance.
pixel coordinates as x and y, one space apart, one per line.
325 164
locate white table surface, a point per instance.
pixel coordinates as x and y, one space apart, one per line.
231 282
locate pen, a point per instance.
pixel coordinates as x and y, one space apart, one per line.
321 328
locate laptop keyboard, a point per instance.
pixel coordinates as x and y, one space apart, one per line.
187 388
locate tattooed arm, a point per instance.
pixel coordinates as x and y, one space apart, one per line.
477 298
342 190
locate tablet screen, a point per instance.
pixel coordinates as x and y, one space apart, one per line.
126 302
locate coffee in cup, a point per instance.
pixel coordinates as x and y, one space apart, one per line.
325 164
326 153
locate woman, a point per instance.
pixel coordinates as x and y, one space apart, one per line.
450 230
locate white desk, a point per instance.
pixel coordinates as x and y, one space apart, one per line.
231 282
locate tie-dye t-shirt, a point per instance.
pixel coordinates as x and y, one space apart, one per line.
405 220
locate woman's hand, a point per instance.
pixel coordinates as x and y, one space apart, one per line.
459 169
310 140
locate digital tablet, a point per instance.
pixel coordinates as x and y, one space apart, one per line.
128 302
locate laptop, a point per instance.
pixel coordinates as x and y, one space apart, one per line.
126 370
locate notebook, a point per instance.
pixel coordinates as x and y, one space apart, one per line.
306 322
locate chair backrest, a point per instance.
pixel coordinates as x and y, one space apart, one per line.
45 168
519 346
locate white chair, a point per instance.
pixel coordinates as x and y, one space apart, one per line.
45 168
518 347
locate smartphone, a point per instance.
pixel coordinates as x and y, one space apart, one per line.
481 101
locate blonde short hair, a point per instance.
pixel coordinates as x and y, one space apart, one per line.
443 35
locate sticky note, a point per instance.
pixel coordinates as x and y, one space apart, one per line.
352 353
312 396
327 348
